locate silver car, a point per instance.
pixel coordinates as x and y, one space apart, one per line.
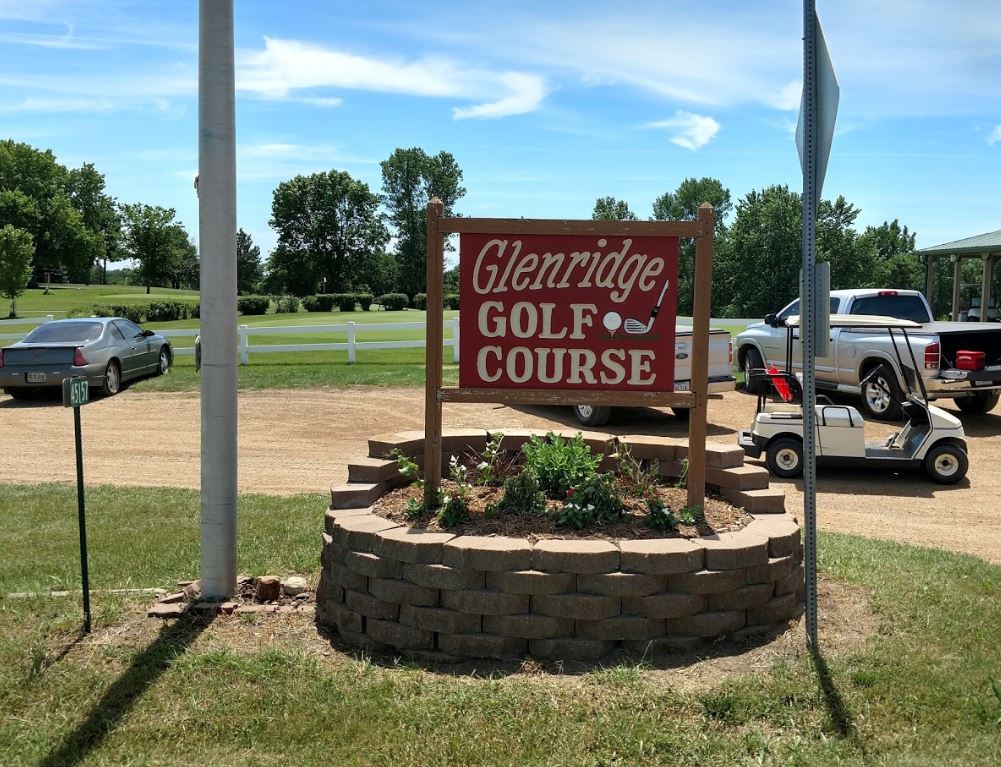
107 350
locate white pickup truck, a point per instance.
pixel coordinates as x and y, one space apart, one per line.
721 377
957 360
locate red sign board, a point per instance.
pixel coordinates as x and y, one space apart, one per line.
568 312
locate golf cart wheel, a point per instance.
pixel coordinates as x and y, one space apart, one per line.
753 361
946 463
881 394
592 415
981 402
785 457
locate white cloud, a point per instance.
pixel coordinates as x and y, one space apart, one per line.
688 130
58 105
994 136
283 67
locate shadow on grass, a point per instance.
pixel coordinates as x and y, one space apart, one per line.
173 640
841 716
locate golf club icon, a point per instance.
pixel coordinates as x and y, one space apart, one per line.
634 327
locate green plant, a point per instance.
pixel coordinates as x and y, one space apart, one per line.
690 515
311 303
454 510
408 466
451 300
287 305
496 464
365 300
522 496
594 501
996 688
660 516
345 301
393 302
421 301
636 478
252 304
683 478
559 463
415 508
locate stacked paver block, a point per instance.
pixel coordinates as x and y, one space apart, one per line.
387 587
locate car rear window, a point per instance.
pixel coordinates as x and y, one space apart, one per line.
60 332
902 307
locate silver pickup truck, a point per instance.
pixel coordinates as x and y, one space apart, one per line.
720 373
972 379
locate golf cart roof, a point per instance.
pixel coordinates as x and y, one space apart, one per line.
858 321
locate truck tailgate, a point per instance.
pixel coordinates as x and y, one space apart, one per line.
719 354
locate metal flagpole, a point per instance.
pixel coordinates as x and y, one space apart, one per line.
217 246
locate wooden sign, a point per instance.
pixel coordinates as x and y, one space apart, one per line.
568 312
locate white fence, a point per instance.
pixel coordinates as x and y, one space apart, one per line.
351 346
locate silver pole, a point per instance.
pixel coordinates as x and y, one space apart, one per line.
217 243
808 310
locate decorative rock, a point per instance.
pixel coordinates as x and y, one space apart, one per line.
171 598
481 552
575 556
167 610
531 582
661 556
294 585
268 588
192 590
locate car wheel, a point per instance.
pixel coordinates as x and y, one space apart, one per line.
163 367
946 464
682 413
753 361
785 457
592 415
881 395
980 402
112 379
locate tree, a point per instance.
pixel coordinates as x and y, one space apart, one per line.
248 263
99 212
893 247
328 224
683 205
185 268
410 178
16 251
154 239
611 209
35 197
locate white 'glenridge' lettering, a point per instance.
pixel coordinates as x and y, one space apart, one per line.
619 271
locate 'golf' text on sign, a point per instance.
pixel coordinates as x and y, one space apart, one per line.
568 312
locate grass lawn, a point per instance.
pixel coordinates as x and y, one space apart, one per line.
916 692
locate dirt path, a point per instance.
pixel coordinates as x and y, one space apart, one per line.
300 441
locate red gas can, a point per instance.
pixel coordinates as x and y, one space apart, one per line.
966 360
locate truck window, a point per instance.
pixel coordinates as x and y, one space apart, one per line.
902 307
793 308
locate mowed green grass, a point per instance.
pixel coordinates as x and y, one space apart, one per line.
915 692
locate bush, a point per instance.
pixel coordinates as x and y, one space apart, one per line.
451 300
287 305
559 463
421 301
168 311
311 303
365 300
393 302
521 496
252 304
196 310
594 500
345 301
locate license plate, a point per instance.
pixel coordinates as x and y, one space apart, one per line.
35 377
682 386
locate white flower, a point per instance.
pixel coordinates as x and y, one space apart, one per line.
482 465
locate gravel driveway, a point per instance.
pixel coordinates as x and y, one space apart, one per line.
301 440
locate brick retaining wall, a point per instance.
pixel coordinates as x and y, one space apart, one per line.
388 587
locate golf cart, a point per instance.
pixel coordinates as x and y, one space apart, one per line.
931 438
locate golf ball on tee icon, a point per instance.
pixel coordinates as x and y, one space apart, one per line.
612 322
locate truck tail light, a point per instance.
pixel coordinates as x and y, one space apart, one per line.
731 355
78 359
887 293
932 357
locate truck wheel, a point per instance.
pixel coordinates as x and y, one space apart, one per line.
785 457
753 361
881 395
980 402
592 415
946 464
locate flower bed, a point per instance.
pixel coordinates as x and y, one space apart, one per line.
388 586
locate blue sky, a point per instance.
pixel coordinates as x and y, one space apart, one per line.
545 105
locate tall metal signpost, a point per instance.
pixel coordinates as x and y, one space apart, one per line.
217 247
76 392
813 137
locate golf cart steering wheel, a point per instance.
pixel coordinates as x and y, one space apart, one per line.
878 384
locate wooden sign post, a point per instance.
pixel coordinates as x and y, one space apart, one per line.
567 313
